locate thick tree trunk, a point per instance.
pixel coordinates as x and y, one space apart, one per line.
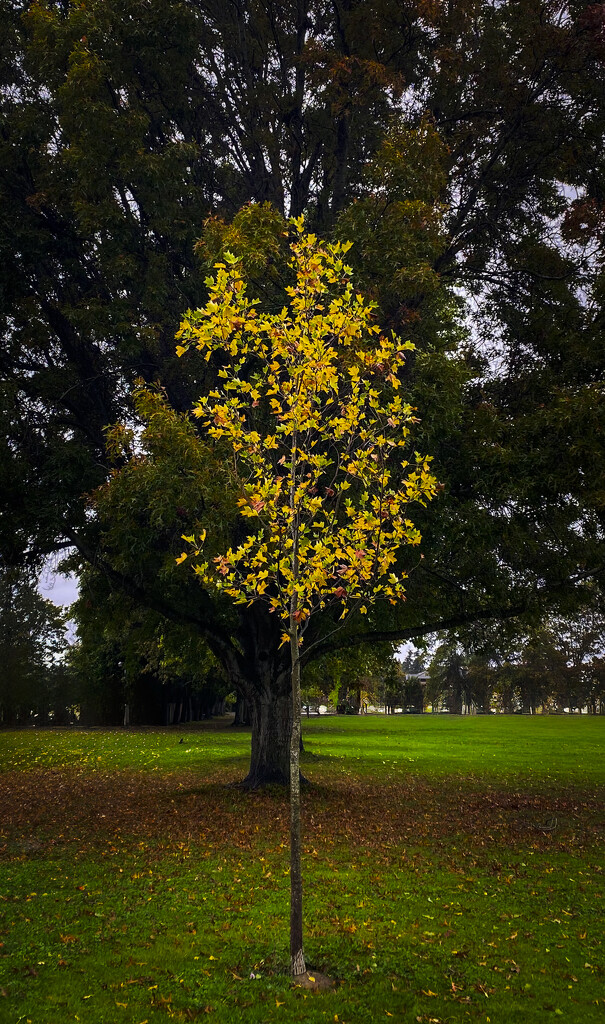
261 677
271 715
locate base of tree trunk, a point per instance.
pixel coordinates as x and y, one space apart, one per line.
314 981
258 780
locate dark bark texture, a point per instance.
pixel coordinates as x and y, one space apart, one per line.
270 748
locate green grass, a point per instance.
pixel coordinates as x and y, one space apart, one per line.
541 748
454 871
517 747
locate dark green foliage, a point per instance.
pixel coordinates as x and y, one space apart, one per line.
459 145
131 666
35 685
150 654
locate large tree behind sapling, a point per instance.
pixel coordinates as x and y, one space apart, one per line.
308 403
125 125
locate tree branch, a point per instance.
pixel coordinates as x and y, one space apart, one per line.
412 632
217 638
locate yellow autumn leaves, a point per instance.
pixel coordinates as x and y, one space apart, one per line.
308 400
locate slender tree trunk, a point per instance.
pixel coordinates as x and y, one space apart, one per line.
456 699
242 712
297 958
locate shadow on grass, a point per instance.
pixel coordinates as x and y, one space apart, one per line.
309 757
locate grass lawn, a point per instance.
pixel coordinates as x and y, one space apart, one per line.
454 871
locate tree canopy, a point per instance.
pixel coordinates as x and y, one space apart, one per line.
458 146
33 683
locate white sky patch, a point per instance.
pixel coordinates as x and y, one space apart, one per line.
61 590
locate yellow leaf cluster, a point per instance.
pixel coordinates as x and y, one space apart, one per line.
309 401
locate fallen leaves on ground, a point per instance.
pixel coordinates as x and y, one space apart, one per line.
46 807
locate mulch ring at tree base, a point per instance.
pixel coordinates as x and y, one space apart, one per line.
48 807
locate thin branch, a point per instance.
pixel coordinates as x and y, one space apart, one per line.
217 638
320 647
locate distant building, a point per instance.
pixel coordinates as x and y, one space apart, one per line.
422 677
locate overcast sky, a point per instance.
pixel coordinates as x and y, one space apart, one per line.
57 588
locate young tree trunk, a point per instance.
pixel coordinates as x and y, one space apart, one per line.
297 958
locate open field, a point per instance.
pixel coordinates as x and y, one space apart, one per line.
454 871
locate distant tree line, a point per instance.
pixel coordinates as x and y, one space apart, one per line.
558 667
34 678
112 672
137 671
